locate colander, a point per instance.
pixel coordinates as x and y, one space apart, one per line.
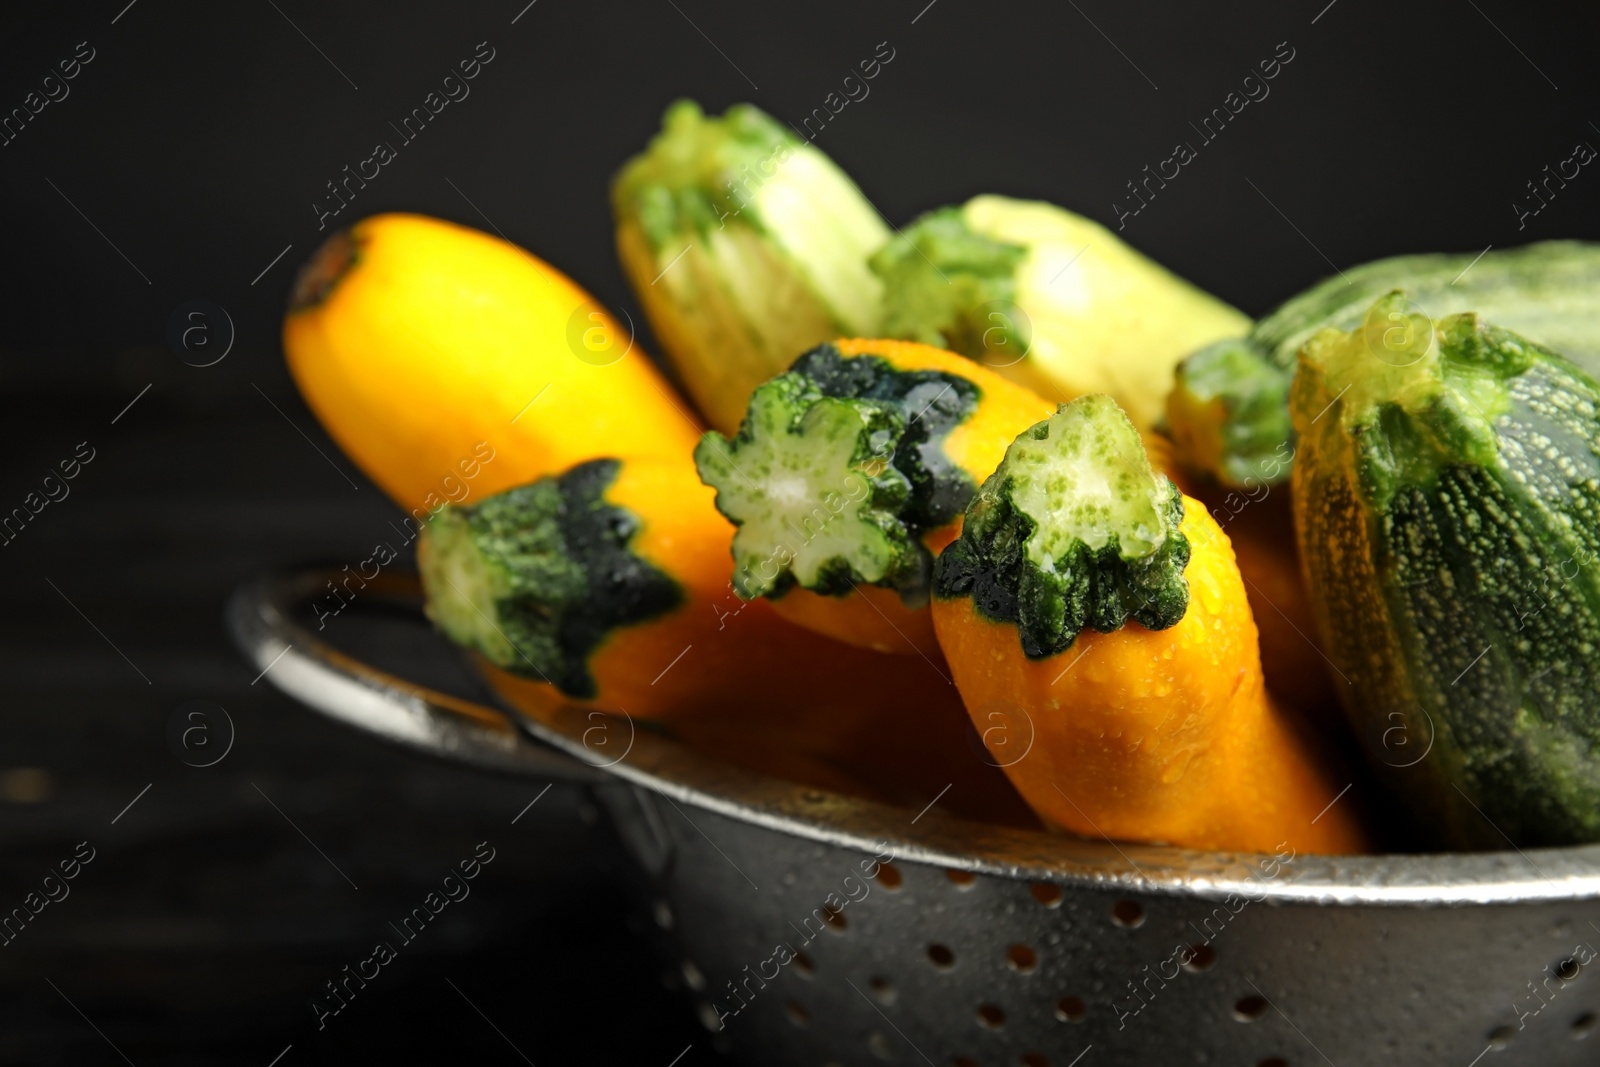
818 929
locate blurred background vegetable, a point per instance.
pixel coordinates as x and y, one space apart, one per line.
423 346
1050 299
746 246
1229 408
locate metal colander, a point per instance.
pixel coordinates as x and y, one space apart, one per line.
984 945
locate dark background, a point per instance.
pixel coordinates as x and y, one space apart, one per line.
188 155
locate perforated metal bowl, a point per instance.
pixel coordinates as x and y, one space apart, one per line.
983 945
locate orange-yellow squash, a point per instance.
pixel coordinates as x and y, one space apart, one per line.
1097 615
450 364
1260 526
608 588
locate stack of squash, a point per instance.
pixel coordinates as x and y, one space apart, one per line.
998 509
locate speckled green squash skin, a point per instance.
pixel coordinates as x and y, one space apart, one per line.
1548 291
1052 552
895 444
556 572
1452 546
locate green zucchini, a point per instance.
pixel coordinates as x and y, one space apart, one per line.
1228 407
1447 502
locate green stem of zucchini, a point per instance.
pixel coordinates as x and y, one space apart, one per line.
1228 413
837 470
534 578
944 279
1075 529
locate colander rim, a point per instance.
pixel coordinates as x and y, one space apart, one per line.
260 617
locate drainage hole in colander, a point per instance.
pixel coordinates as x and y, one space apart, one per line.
991 1016
1128 913
835 920
1071 1009
1035 1059
1021 958
1501 1036
1201 958
883 989
961 879
880 1047
1583 1024
1046 894
1249 1009
1567 969
889 876
804 965
941 957
797 1013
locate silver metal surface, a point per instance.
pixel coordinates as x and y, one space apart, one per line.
986 945
260 617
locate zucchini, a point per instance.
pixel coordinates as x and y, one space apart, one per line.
849 474
1077 549
1074 530
1228 408
746 245
1447 501
551 561
607 588
420 344
1052 300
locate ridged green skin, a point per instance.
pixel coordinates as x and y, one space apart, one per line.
686 186
809 438
746 245
536 577
1226 410
1074 530
1449 520
941 279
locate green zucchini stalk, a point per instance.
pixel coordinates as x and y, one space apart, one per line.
836 473
1048 298
1446 496
536 577
746 246
1227 410
1074 530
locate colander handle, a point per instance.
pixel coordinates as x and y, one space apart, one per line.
261 618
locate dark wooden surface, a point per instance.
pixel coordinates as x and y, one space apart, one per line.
206 922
